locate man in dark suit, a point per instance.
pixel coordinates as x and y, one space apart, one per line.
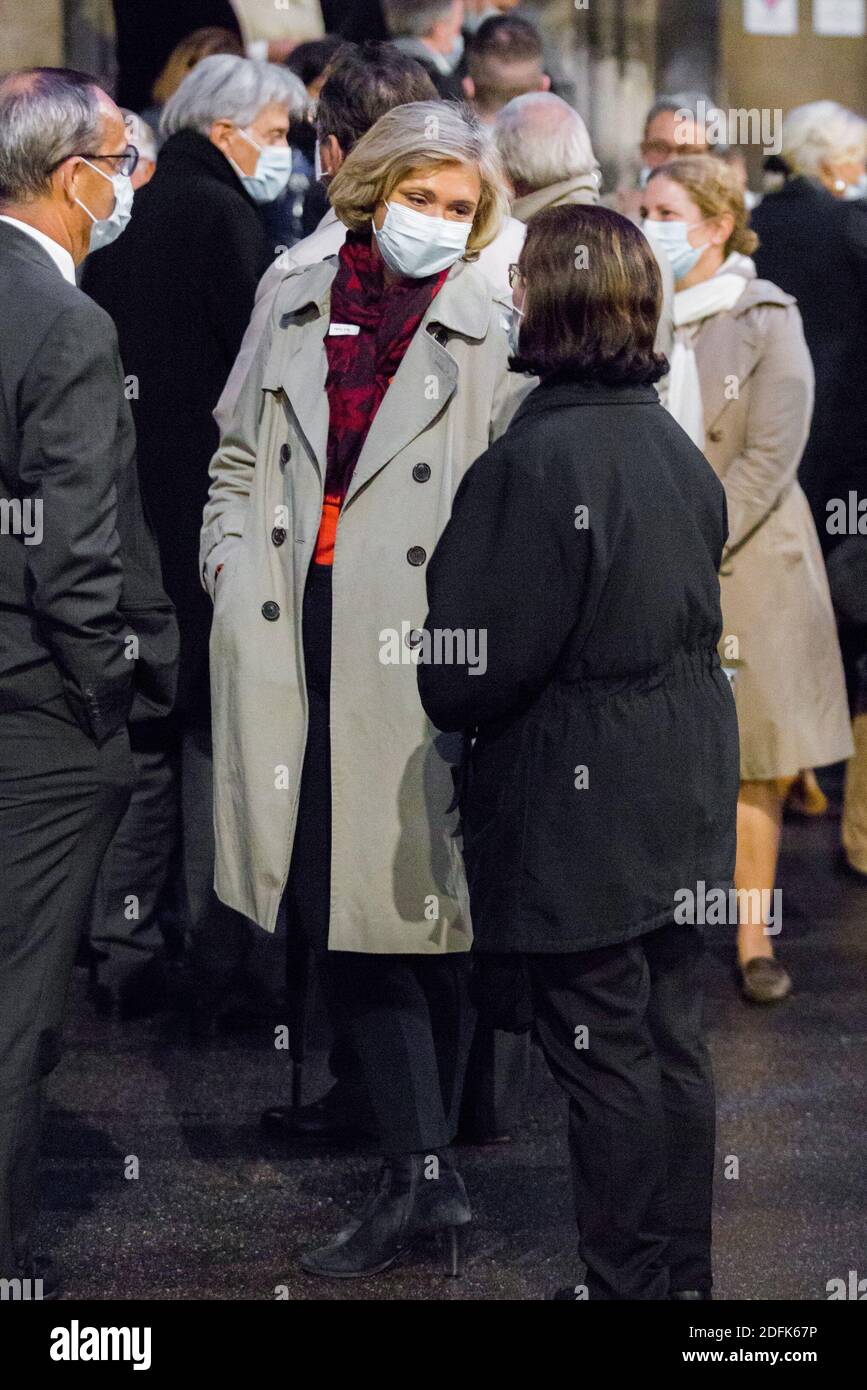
87 635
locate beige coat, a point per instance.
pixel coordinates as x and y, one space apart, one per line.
397 881
789 685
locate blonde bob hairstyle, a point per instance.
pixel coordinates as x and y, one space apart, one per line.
421 135
714 188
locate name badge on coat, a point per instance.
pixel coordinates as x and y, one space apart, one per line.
343 330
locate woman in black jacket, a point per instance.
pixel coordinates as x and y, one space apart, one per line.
580 570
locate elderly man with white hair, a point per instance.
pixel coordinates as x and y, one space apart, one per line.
180 286
548 158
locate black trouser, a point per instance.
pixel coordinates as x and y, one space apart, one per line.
61 798
641 1107
402 1023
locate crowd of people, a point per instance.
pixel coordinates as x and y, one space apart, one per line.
429 559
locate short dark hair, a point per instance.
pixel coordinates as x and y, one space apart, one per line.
310 59
363 82
501 57
594 295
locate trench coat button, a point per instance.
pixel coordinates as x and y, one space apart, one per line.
278 535
421 472
271 611
413 639
285 454
714 436
416 555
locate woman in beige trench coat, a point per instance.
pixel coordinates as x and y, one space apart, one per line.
742 386
382 377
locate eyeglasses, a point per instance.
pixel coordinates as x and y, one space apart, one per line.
514 275
668 151
125 163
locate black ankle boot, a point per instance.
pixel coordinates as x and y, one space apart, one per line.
405 1206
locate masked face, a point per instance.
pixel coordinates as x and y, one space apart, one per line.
414 244
271 175
674 223
424 227
105 230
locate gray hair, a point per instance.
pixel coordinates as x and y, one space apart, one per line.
822 132
227 87
46 115
414 18
542 140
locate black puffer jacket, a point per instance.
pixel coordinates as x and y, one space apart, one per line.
604 773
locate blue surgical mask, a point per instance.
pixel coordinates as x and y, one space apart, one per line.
673 237
415 244
273 168
105 230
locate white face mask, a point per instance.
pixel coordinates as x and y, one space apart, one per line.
415 244
105 230
271 176
673 237
855 191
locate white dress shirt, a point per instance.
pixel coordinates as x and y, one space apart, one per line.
59 254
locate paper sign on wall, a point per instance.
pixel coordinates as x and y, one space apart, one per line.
771 16
845 17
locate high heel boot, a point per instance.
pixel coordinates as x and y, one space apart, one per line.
415 1196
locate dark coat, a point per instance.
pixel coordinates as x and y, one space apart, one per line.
601 654
69 603
180 284
814 246
147 33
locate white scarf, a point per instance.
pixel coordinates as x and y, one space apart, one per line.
714 296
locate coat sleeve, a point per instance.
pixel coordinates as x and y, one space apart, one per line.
507 577
231 469
68 427
778 423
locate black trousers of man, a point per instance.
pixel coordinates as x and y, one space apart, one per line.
61 798
402 1023
641 1107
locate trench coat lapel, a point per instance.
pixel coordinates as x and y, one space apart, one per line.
300 369
426 378
729 345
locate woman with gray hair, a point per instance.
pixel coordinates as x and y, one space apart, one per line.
180 286
382 376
